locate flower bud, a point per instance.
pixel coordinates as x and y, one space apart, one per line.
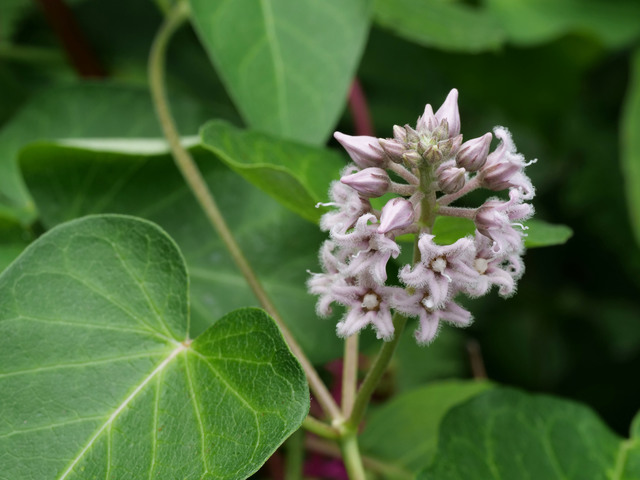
497 175
427 122
433 155
412 135
449 112
399 133
365 151
412 158
397 213
450 179
392 148
370 182
473 153
489 217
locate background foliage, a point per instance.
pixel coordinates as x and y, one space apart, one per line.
563 75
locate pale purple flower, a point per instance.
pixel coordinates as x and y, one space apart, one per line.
370 182
496 219
397 214
504 167
370 250
442 268
421 305
323 284
489 266
473 153
368 304
350 206
365 151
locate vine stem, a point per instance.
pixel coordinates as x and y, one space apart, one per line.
187 166
375 373
349 373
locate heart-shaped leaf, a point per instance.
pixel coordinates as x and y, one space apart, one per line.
100 378
298 176
70 182
287 64
509 434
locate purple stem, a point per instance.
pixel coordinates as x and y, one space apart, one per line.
360 110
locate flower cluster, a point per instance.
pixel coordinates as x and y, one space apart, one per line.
425 169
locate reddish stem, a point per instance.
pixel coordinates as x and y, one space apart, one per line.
60 18
360 110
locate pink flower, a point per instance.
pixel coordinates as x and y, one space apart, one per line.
370 250
421 305
489 266
368 304
442 269
350 207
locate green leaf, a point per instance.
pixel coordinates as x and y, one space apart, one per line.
11 12
70 182
404 432
539 233
287 64
13 240
543 234
504 433
442 24
77 111
529 22
296 175
99 376
630 144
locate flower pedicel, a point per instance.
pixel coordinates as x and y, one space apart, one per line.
435 168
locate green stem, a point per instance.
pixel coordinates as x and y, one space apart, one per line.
319 428
375 373
349 373
187 166
351 457
295 456
373 465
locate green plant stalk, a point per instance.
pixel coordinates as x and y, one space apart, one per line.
351 456
319 428
375 374
349 373
187 166
294 460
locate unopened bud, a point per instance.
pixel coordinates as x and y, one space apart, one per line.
399 133
392 148
450 146
396 214
449 112
473 153
365 151
412 135
451 179
433 155
370 182
412 158
427 122
497 176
